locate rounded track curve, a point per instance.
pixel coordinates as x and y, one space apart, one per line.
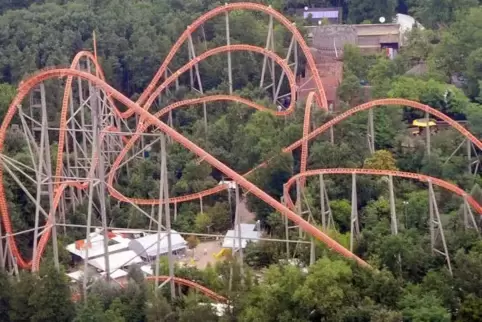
224 9
409 175
147 119
185 282
44 75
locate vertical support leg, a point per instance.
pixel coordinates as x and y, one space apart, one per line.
168 227
287 232
431 217
469 218
159 217
88 227
322 204
228 42
393 212
198 77
48 165
265 58
427 117
39 188
371 132
299 209
273 66
288 55
237 217
97 146
354 228
201 204
438 223
469 155
295 68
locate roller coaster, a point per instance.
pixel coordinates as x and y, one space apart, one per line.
95 139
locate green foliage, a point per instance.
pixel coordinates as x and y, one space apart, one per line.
410 283
381 160
51 297
5 296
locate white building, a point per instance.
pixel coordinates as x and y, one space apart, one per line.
116 261
96 246
146 247
249 232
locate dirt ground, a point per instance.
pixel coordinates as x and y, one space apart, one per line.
212 247
201 260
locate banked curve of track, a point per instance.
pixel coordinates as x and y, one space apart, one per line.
401 174
150 95
44 75
62 73
303 142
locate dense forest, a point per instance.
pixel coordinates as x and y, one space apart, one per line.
409 281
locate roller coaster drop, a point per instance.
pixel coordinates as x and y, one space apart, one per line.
92 148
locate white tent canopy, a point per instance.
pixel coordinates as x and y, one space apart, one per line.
116 260
97 246
147 246
249 232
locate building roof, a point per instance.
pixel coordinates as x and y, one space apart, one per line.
332 14
97 246
76 276
249 232
115 274
117 260
147 269
147 246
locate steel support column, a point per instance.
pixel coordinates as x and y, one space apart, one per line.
159 217
237 220
371 132
436 227
48 165
168 223
354 225
393 212
228 42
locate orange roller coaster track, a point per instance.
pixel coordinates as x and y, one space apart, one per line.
180 281
141 107
409 175
224 9
44 75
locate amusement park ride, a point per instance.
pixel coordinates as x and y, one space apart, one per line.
95 140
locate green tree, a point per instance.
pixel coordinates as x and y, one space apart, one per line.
326 287
5 289
381 160
92 311
20 308
471 309
51 298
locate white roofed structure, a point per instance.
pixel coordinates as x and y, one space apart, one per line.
146 246
96 248
249 232
117 260
76 276
147 269
115 274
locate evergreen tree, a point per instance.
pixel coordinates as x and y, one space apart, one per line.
20 309
5 295
51 298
